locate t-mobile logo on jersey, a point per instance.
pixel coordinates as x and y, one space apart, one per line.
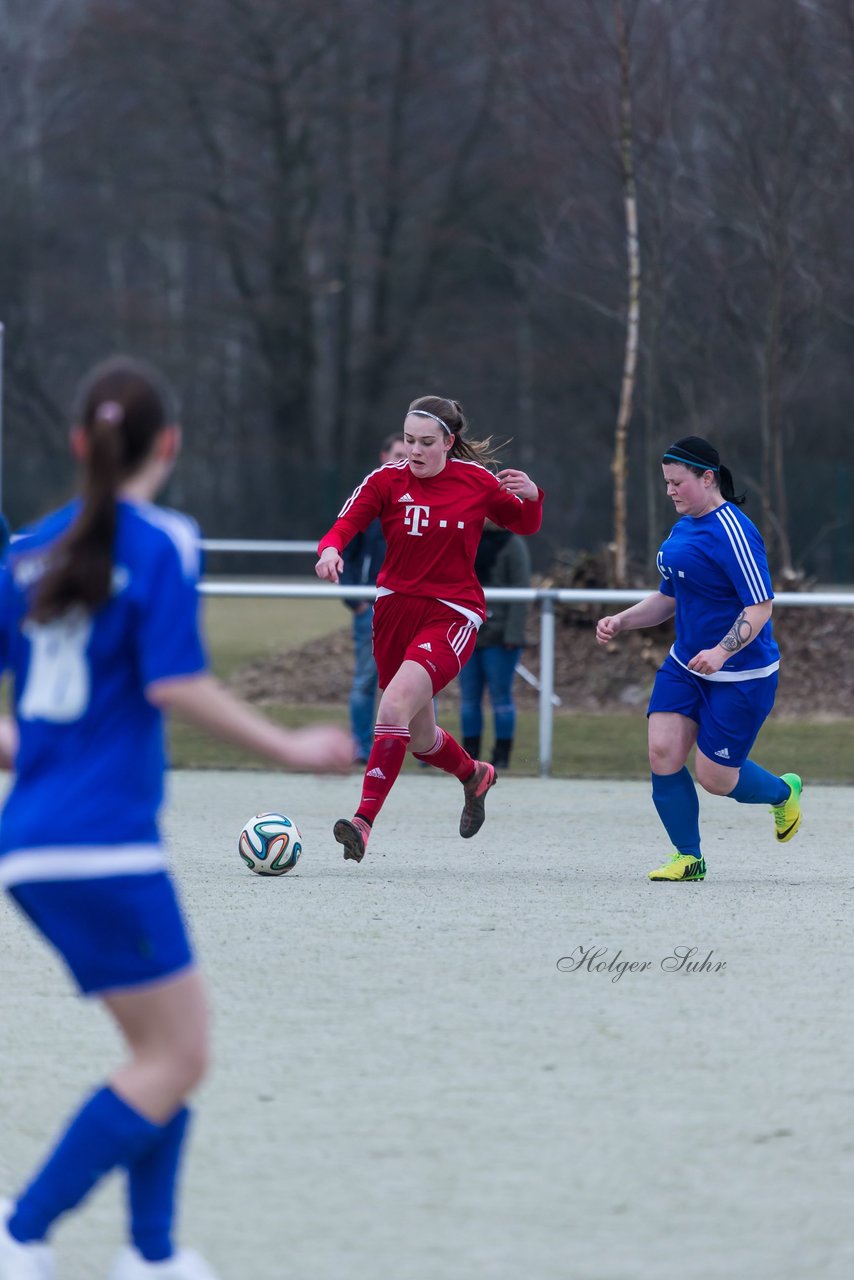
414 517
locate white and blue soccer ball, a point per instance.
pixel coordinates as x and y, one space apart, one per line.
270 844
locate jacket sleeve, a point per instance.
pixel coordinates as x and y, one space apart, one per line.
516 572
352 555
516 514
363 505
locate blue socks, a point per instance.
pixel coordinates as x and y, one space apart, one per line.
104 1134
757 786
151 1190
675 798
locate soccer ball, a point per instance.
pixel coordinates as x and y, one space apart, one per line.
270 844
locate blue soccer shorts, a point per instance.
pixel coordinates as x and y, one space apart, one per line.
729 713
113 933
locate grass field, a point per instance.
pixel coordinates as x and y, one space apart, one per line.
240 630
585 746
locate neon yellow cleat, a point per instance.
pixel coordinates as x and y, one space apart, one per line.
787 816
682 866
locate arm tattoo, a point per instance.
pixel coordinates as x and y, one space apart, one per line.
739 634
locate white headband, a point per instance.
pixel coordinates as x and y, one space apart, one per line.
422 413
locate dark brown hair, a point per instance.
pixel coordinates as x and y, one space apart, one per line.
122 408
699 456
451 413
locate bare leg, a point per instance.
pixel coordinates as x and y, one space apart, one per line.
166 1028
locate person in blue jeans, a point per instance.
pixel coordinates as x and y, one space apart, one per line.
363 558
502 561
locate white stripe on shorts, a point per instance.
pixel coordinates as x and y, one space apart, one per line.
462 637
728 677
79 862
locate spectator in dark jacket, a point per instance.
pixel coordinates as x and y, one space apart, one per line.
363 558
502 561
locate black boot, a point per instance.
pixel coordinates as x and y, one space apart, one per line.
472 746
501 753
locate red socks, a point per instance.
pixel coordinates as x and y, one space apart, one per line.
386 761
446 753
384 764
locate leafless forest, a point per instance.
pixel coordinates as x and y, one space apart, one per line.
309 211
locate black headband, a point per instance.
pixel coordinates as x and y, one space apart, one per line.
678 453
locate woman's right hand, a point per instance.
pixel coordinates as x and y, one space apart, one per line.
608 628
330 565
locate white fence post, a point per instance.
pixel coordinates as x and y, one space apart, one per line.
547 681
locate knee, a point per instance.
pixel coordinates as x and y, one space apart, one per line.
184 1061
663 758
716 782
191 1061
392 711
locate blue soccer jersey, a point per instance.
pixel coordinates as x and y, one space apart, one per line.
91 757
714 566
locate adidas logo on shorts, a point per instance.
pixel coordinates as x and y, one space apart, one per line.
426 645
723 753
375 773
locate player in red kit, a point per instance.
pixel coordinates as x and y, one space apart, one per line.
430 604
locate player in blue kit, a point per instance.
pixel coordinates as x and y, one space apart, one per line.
99 626
717 685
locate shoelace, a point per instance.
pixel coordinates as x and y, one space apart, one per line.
781 818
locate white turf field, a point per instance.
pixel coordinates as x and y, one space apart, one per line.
406 1085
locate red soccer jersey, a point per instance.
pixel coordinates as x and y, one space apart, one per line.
432 526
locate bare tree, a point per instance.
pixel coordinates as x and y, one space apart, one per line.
627 387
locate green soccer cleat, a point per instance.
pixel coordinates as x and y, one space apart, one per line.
787 816
682 866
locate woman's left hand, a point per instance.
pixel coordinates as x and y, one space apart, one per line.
519 483
708 661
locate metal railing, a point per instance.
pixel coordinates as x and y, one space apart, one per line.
546 598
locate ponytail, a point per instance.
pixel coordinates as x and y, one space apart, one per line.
727 486
450 414
121 412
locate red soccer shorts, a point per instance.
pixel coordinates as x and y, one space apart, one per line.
438 638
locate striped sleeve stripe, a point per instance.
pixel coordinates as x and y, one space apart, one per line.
467 462
399 465
743 555
183 533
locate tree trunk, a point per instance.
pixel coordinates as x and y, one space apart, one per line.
619 465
